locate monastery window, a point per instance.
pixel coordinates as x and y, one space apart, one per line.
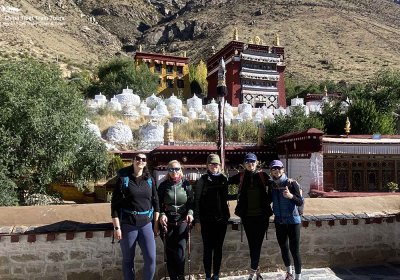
179 69
170 69
180 83
157 67
170 83
159 81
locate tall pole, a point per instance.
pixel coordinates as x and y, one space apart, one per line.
221 91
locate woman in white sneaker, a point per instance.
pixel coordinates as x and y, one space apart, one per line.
286 198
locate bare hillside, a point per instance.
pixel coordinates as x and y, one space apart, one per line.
338 40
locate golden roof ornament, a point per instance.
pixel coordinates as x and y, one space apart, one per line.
326 91
257 40
235 34
163 50
347 127
213 50
140 48
277 41
251 41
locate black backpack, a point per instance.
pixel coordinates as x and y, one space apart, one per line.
300 209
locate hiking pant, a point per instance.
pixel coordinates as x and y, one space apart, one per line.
255 228
291 233
176 239
144 236
213 235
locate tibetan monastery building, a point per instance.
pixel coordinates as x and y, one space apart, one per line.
254 73
173 72
336 166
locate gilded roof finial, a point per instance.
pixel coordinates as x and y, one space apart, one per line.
235 34
163 50
213 50
277 42
251 41
257 40
326 91
184 53
140 48
347 127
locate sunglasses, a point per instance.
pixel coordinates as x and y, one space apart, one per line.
143 159
174 169
250 161
213 164
276 168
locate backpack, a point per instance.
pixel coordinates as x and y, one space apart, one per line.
300 209
125 185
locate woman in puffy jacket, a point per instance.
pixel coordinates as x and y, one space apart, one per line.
286 198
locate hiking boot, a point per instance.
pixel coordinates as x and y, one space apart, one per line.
289 276
215 277
258 276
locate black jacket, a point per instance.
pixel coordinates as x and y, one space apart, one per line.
211 198
265 190
140 195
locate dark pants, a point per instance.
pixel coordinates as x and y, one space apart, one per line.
255 228
213 234
144 236
291 233
177 237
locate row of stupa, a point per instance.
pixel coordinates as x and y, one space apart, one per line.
157 109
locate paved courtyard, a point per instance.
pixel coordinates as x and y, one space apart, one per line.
387 271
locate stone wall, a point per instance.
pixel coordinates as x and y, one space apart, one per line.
70 249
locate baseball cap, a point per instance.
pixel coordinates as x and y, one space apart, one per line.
250 157
276 163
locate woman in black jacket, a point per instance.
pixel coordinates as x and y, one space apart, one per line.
253 207
211 214
134 205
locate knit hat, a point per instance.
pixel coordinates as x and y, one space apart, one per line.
213 158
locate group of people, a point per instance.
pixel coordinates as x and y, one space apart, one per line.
141 211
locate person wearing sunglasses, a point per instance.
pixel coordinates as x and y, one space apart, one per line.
286 198
134 205
211 214
176 203
253 207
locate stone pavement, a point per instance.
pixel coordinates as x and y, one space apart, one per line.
387 271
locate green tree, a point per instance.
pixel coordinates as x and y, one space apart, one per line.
42 129
366 119
119 73
198 78
296 121
333 117
383 90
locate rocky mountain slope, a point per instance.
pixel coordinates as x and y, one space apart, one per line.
338 40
